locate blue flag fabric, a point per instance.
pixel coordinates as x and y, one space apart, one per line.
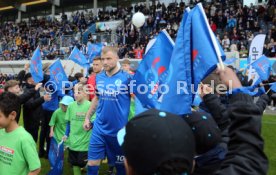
56 157
94 50
260 92
249 90
180 68
36 66
154 71
57 74
230 60
204 56
273 87
262 67
53 152
197 100
78 57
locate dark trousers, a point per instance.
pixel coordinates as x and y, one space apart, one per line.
33 130
45 131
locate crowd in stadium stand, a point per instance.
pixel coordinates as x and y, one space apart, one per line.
234 25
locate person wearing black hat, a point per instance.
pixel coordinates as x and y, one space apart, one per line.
157 142
209 152
32 108
22 73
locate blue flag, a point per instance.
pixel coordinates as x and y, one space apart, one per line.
204 44
36 66
273 87
57 74
94 50
230 60
78 57
56 157
180 75
154 71
197 100
262 67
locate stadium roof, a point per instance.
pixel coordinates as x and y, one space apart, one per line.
10 4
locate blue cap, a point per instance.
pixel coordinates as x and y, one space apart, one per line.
66 100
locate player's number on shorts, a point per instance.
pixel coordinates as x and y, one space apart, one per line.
120 158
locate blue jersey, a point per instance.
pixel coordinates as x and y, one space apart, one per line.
53 104
114 102
138 107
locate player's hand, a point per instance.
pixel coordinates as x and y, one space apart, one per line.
27 67
87 124
204 90
51 134
47 97
64 138
38 86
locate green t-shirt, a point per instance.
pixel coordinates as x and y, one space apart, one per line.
59 123
78 137
18 153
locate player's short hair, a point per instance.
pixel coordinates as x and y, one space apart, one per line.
10 83
78 75
114 50
90 70
9 102
97 58
126 61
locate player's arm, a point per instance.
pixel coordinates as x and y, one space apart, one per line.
67 131
35 172
51 131
52 124
90 113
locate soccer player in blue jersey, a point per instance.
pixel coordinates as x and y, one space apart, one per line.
111 105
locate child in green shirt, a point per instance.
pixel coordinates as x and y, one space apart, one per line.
58 122
77 136
18 153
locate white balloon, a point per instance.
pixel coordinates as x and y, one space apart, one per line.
138 19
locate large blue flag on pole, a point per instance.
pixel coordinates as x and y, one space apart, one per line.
36 66
78 57
206 50
94 50
154 71
181 72
57 74
56 157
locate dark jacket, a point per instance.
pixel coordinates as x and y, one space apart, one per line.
245 148
21 76
24 98
218 110
222 115
32 109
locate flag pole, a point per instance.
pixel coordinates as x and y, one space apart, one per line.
215 44
268 91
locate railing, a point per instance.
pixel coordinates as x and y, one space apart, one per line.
105 37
